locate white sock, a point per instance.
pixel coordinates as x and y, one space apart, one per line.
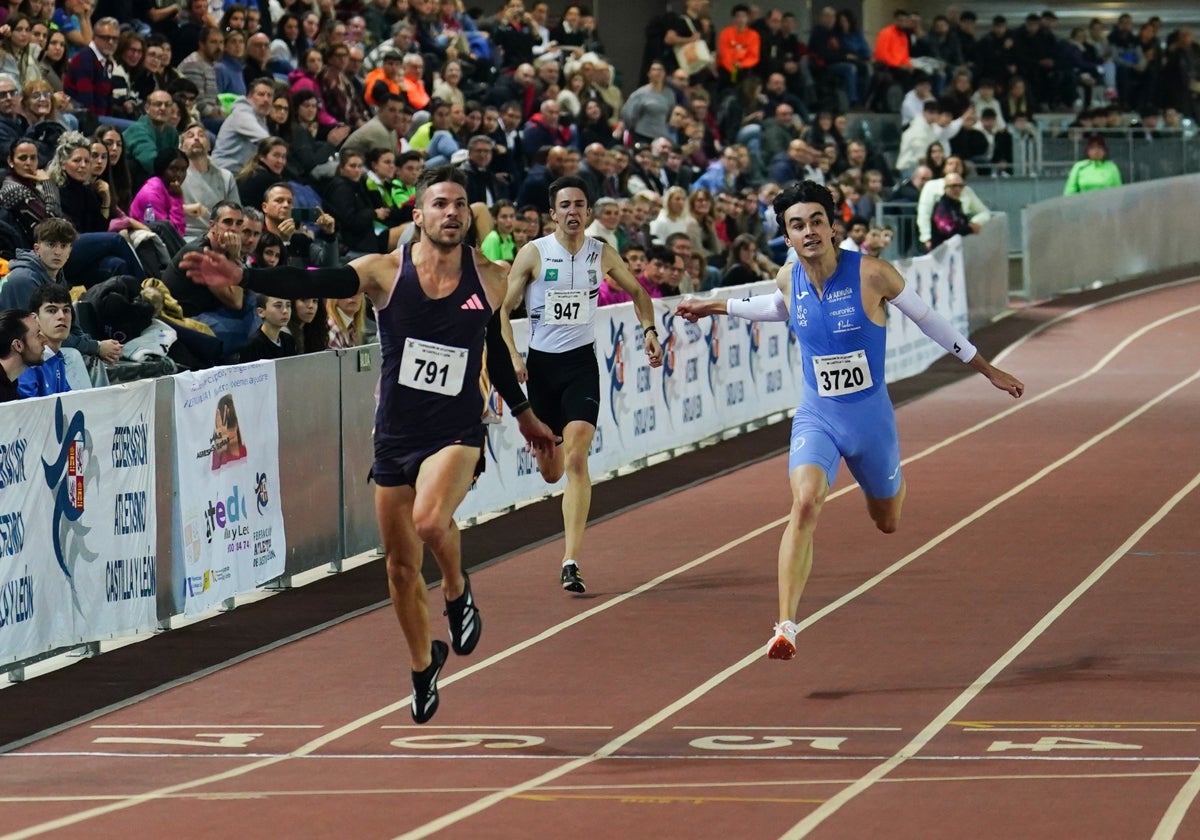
569 562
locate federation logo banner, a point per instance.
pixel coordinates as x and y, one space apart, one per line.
229 534
77 519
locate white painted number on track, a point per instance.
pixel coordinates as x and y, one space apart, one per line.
766 742
467 741
234 740
1051 743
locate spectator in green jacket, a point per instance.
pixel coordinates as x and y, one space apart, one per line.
1095 172
151 134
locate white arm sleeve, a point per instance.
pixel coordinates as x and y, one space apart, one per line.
933 324
759 308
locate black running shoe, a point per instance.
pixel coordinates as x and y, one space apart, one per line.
466 625
571 579
425 690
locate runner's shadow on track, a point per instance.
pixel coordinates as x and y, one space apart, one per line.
717 581
1080 669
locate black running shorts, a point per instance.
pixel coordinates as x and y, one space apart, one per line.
564 386
396 465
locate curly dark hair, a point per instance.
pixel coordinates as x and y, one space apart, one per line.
803 192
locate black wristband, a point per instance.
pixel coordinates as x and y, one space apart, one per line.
651 329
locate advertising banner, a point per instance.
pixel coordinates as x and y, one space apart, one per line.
77 520
229 534
717 374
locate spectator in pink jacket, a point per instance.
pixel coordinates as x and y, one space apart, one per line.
161 197
307 77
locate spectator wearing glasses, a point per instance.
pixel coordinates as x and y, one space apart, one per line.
131 48
89 73
41 109
150 134
12 123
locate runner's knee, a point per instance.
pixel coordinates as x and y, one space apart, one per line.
431 527
403 575
806 507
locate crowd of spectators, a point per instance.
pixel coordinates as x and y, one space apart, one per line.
294 131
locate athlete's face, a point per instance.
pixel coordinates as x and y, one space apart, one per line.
570 211
444 215
807 229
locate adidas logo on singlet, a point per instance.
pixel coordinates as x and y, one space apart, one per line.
473 302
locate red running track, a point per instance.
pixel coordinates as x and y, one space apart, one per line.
1019 660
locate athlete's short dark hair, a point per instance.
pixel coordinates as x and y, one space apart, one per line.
567 182
447 174
802 192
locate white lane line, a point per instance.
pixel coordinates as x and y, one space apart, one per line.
939 723
206 726
479 727
632 787
82 816
1172 818
620 741
992 729
531 756
1080 310
792 728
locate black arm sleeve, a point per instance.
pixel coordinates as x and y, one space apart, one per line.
296 283
500 368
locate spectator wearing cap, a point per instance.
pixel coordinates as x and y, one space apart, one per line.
1095 171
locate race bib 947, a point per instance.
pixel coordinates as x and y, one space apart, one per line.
566 306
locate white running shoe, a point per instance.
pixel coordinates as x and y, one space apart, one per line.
783 643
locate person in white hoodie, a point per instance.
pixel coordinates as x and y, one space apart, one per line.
245 126
935 126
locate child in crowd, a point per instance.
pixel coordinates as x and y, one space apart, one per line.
270 341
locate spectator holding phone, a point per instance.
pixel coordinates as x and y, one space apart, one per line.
285 220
